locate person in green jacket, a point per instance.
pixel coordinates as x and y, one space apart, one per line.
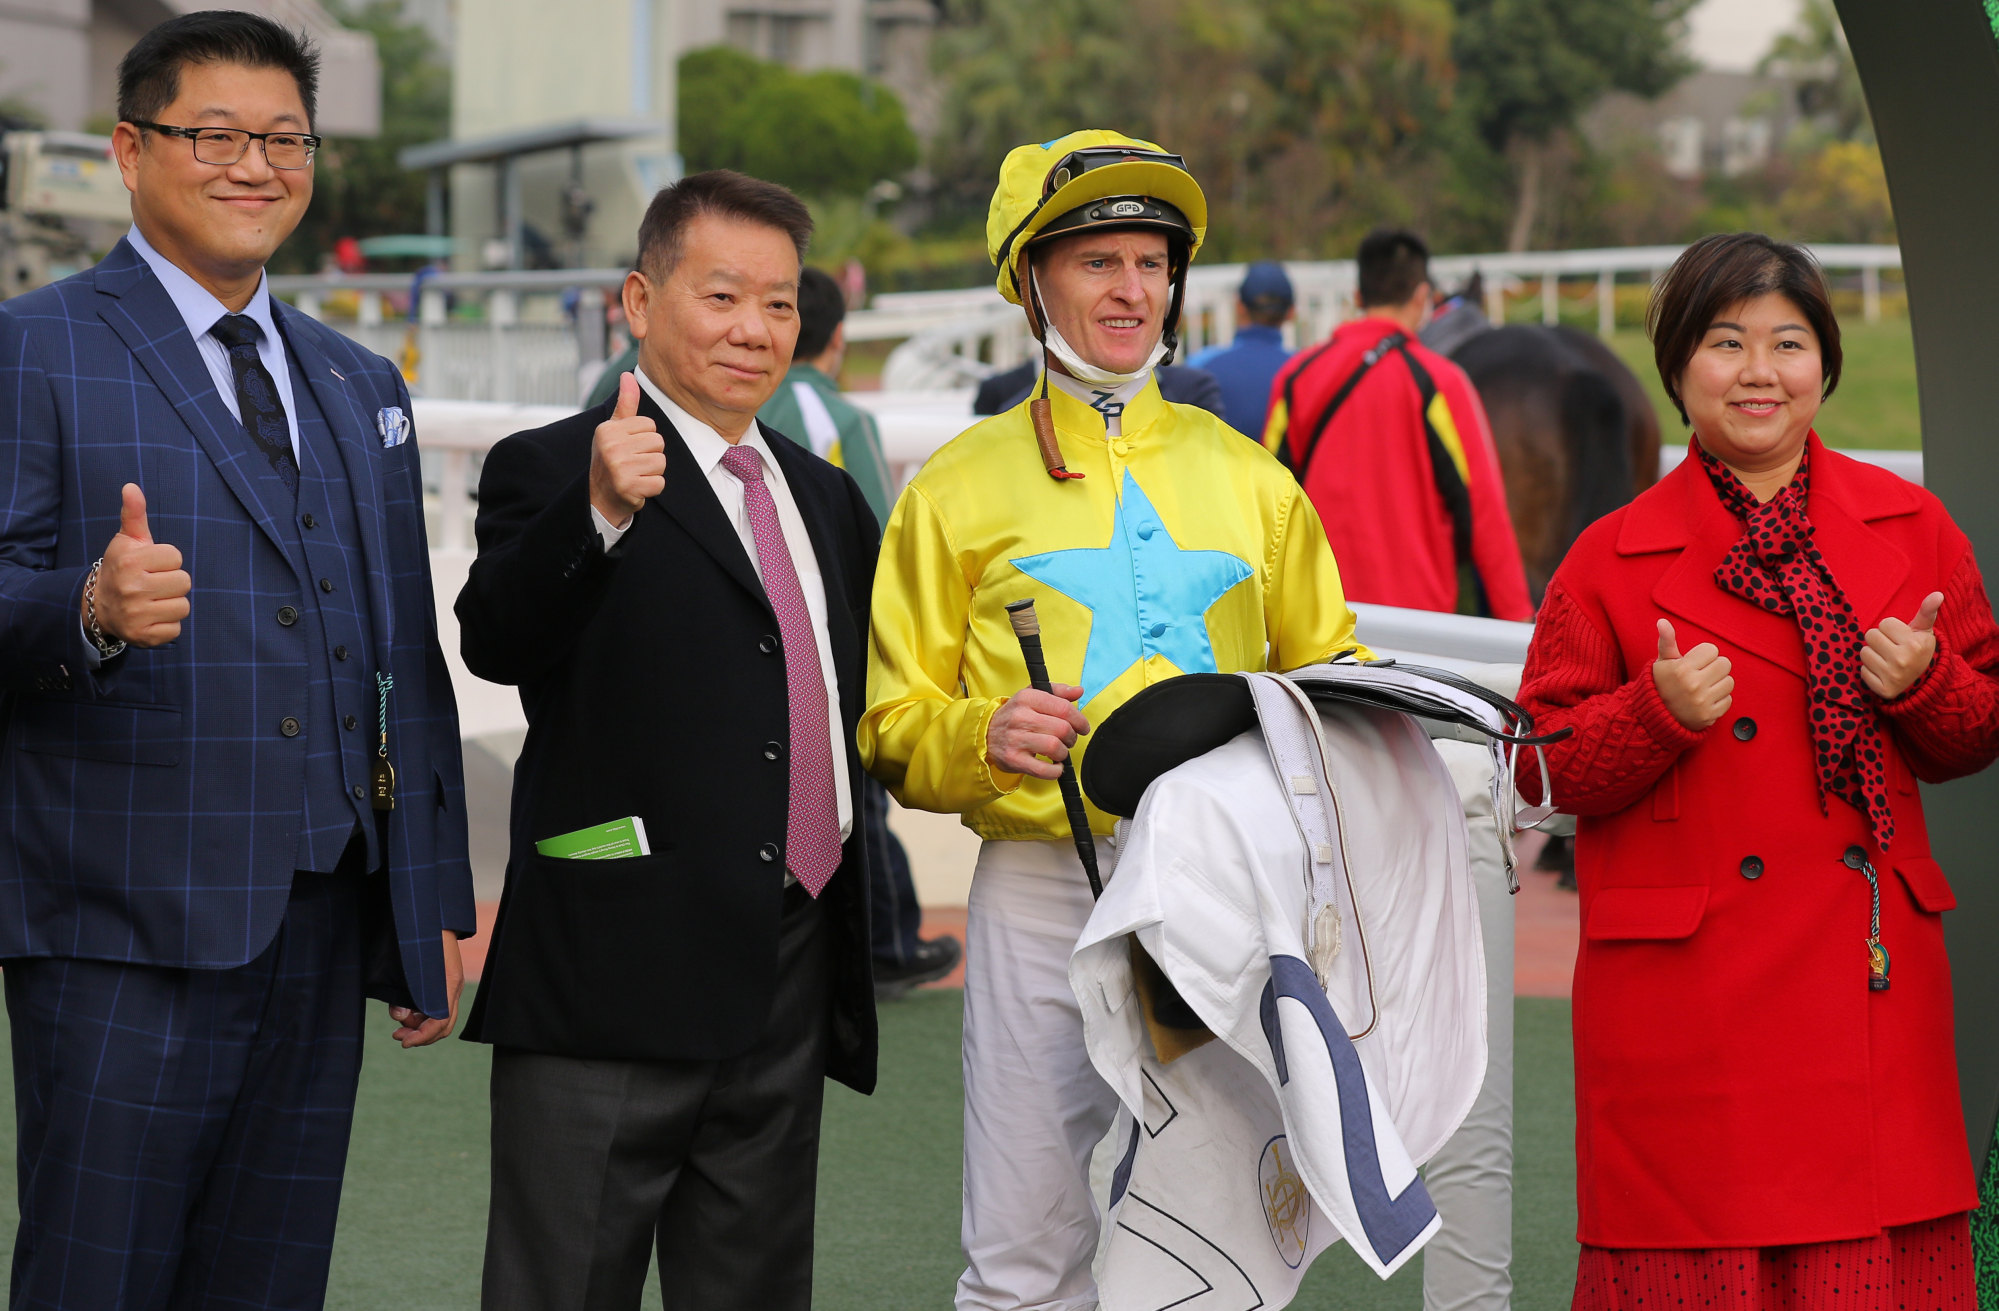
808 407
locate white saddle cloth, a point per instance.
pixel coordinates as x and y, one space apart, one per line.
1305 1123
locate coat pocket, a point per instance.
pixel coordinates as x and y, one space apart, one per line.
121 733
1621 914
1926 883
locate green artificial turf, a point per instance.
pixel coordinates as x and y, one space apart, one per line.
1873 409
412 1223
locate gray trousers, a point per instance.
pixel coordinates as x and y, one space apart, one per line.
1468 1265
715 1163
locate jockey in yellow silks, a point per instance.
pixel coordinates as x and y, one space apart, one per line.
1155 541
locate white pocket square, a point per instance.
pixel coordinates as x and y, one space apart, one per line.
394 425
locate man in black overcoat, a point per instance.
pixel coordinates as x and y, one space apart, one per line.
682 599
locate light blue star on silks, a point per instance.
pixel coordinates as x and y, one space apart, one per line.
1146 595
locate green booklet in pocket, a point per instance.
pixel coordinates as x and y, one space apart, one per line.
618 840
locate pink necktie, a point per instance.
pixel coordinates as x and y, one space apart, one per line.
812 832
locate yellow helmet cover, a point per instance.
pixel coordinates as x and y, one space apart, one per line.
1040 184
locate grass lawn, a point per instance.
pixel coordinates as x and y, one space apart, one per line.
412 1222
1875 407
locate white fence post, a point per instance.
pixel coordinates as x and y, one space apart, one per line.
1870 294
1606 304
1551 298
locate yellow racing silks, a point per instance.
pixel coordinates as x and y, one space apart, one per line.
1185 548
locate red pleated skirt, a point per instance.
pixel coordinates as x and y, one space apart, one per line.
1918 1267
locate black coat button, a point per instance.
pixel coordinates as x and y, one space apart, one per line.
1855 857
339 653
287 616
288 726
773 750
350 721
308 520
326 584
1745 728
767 853
360 793
767 644
1752 867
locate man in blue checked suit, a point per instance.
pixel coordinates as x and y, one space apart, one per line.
229 774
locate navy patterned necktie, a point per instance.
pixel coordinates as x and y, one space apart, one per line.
257 397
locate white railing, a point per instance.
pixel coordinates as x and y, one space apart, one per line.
536 337
978 333
455 435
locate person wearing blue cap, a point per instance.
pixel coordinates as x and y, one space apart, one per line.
1246 366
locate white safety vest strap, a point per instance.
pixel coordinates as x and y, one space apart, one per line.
820 430
1297 745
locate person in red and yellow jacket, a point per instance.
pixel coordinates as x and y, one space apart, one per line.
1392 444
1760 657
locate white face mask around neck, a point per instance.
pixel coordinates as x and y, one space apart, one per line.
1078 367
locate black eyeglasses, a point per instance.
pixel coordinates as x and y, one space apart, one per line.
226 145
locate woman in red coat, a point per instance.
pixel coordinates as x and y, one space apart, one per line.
1760 657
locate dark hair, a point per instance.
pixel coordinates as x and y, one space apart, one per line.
1267 311
1719 271
149 74
1392 262
724 193
821 307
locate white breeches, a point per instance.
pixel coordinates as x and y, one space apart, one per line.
1034 1105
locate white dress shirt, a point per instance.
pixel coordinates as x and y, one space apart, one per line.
706 446
200 311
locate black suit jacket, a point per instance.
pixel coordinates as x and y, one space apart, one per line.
654 685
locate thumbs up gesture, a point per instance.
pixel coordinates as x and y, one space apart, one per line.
627 458
1896 653
1697 687
141 587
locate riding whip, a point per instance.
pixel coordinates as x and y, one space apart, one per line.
1028 629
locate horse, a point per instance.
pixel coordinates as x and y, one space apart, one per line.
1576 435
1575 431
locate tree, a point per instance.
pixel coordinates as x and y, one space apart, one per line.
825 133
1840 193
709 81
1815 56
1302 118
359 190
1528 68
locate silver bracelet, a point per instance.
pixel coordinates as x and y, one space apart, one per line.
105 649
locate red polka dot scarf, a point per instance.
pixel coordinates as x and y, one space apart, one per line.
1776 565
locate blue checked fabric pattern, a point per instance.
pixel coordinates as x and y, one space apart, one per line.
150 805
812 830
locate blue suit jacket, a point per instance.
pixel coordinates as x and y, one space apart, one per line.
149 808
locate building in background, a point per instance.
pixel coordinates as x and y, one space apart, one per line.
530 71
522 68
1715 121
888 40
59 58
